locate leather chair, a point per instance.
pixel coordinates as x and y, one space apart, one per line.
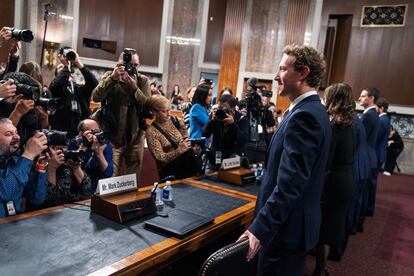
229 260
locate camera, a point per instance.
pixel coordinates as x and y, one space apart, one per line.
221 114
74 155
208 81
127 57
22 35
198 142
267 93
26 90
55 137
68 53
49 104
100 136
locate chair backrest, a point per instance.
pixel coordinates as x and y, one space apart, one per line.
229 260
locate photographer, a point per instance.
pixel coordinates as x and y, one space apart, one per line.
18 179
228 129
168 143
75 97
7 36
123 93
261 121
21 108
97 153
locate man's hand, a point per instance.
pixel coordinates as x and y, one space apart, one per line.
7 89
130 81
97 147
119 72
42 116
254 244
24 106
63 60
5 35
228 120
77 61
35 145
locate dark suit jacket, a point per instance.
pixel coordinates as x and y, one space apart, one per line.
370 121
382 139
361 160
288 211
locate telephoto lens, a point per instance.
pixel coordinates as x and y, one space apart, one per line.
55 137
26 90
49 104
22 35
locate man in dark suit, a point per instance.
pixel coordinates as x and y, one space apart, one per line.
371 122
384 131
288 211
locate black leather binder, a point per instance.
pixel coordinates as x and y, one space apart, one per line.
178 223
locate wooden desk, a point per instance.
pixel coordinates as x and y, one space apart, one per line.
149 258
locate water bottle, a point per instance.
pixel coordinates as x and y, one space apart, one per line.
157 190
167 192
254 169
259 171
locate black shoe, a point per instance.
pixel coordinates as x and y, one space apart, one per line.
360 228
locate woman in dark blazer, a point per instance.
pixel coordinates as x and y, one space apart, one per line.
337 193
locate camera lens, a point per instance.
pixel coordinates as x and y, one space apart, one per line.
26 90
56 138
69 55
22 35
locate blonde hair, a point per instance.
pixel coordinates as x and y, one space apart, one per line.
157 102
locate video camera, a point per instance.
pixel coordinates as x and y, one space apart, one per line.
74 155
68 53
22 35
49 104
127 57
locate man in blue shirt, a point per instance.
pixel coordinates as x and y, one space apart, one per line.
16 176
97 157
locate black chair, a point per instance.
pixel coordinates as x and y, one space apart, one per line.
229 260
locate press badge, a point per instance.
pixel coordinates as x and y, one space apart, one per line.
74 105
259 128
218 157
11 211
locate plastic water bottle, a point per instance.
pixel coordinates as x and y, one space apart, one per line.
158 201
259 171
167 192
254 169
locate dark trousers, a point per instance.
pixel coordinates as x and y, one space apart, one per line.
274 261
391 161
372 191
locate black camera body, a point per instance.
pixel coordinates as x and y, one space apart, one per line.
74 155
127 57
221 114
28 91
68 53
22 35
55 137
100 136
199 142
49 104
267 93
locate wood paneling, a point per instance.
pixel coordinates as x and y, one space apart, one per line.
215 30
380 57
134 24
230 58
6 19
297 18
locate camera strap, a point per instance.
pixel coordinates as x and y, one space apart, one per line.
175 146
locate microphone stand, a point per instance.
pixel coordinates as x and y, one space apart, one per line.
46 15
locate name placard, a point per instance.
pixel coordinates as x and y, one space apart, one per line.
117 184
230 163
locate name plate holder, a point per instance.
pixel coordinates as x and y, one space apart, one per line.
118 199
231 172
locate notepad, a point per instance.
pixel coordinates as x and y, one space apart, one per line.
178 223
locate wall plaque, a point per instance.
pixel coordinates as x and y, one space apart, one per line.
384 16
